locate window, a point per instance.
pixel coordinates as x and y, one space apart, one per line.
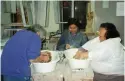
80 10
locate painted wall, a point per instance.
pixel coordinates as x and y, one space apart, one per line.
109 15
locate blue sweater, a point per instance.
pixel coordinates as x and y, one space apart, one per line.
75 41
22 47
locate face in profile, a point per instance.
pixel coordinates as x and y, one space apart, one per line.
41 35
73 28
102 34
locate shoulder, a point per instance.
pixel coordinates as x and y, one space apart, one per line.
21 32
35 36
112 42
32 35
82 33
65 33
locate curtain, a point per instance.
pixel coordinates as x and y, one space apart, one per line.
41 13
56 11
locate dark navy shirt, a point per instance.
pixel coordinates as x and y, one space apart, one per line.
22 47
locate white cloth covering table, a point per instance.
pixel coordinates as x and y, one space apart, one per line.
63 70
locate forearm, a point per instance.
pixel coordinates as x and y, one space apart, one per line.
82 49
81 54
34 60
61 47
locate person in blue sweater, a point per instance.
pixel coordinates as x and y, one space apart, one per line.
19 51
72 38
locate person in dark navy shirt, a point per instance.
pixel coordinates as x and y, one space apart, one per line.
18 52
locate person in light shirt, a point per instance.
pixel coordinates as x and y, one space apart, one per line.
106 54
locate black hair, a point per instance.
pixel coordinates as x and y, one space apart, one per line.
111 30
73 21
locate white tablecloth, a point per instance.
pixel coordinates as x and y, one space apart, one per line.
63 69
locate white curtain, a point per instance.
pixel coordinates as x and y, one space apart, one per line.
29 12
13 6
41 12
8 6
56 11
32 6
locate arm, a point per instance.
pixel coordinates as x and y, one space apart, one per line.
88 45
61 43
84 39
34 47
100 53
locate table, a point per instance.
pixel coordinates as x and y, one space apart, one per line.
63 70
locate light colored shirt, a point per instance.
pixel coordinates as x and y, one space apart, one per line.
107 57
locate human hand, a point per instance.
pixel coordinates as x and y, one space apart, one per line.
45 57
77 55
67 46
81 55
84 55
82 49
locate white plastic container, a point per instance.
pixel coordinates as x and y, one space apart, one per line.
76 63
46 67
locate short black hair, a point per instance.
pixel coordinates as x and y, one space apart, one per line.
111 30
73 21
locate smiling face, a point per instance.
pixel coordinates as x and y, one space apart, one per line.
102 34
73 28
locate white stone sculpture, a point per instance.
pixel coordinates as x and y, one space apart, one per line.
89 17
